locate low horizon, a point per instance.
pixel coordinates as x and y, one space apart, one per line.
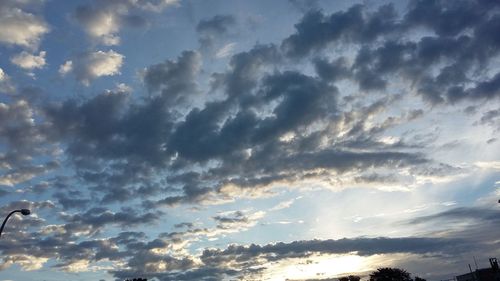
248 140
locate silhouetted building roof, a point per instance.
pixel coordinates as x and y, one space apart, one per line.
483 274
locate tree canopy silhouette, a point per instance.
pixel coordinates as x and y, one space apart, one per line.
390 274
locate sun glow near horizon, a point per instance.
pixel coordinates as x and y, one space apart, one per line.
317 266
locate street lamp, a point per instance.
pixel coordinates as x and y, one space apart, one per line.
25 212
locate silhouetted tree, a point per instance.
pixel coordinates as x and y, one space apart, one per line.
137 279
350 278
390 274
419 279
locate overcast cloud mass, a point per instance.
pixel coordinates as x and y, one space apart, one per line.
248 140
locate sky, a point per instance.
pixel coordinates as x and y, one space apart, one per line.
248 140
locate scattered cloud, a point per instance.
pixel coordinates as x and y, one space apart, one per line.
66 68
20 27
29 61
103 20
91 65
101 23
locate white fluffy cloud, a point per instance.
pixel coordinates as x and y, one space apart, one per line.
66 67
29 61
93 65
5 83
19 27
104 20
101 24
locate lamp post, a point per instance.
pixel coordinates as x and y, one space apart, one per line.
25 212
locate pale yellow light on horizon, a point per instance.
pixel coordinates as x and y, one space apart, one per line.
316 267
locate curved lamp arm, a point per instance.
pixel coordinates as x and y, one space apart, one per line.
25 212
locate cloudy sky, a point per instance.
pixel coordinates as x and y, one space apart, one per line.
262 140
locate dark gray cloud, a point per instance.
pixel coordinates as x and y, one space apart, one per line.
246 68
109 128
479 225
316 31
239 261
219 26
459 26
236 221
92 122
376 178
34 247
447 18
123 148
492 118
70 253
176 80
301 101
304 101
93 220
113 144
302 249
184 224
237 218
332 71
23 138
414 61
72 199
475 214
129 147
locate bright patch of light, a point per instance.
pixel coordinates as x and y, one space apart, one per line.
316 267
